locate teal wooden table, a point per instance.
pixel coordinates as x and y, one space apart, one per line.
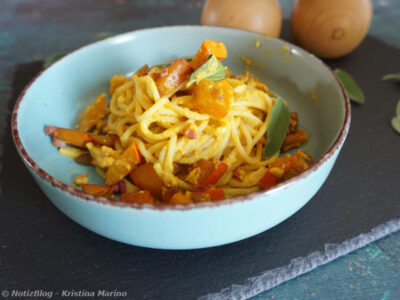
34 30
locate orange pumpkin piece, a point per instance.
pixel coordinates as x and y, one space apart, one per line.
274 172
180 198
216 174
298 163
116 81
206 168
142 71
216 194
146 178
93 114
207 48
137 197
294 139
71 136
123 165
173 76
213 98
97 190
268 180
105 140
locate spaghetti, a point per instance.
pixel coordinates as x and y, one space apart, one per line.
204 142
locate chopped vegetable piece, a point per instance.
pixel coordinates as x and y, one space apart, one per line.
213 98
137 197
142 71
208 48
97 190
105 140
277 127
173 76
93 114
275 172
146 178
219 171
268 180
181 198
123 165
206 168
294 139
84 159
216 194
81 179
73 137
117 81
298 163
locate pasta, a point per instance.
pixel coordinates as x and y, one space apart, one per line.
184 142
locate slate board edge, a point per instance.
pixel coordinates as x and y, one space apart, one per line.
302 265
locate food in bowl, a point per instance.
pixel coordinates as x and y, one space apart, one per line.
185 132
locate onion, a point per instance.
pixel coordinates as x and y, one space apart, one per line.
263 16
329 28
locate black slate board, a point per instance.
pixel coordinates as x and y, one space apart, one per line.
43 249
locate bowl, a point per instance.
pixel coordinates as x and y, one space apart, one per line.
59 93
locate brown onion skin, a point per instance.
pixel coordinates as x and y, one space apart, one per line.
330 28
262 16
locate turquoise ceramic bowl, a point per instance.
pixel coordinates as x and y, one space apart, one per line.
57 95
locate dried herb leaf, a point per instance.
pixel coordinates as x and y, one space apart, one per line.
391 76
212 70
398 109
277 128
396 124
103 36
352 88
53 58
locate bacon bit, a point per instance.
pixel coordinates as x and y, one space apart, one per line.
49 130
115 188
239 174
202 187
122 186
58 143
190 134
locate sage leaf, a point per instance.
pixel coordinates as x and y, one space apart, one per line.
53 58
396 124
398 109
352 88
277 127
212 70
102 36
391 76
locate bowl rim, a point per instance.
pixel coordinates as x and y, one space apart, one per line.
33 166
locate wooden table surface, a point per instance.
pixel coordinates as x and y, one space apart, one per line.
33 30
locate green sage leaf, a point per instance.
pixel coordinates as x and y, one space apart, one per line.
391 76
102 36
212 70
277 127
396 124
398 109
352 88
53 58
